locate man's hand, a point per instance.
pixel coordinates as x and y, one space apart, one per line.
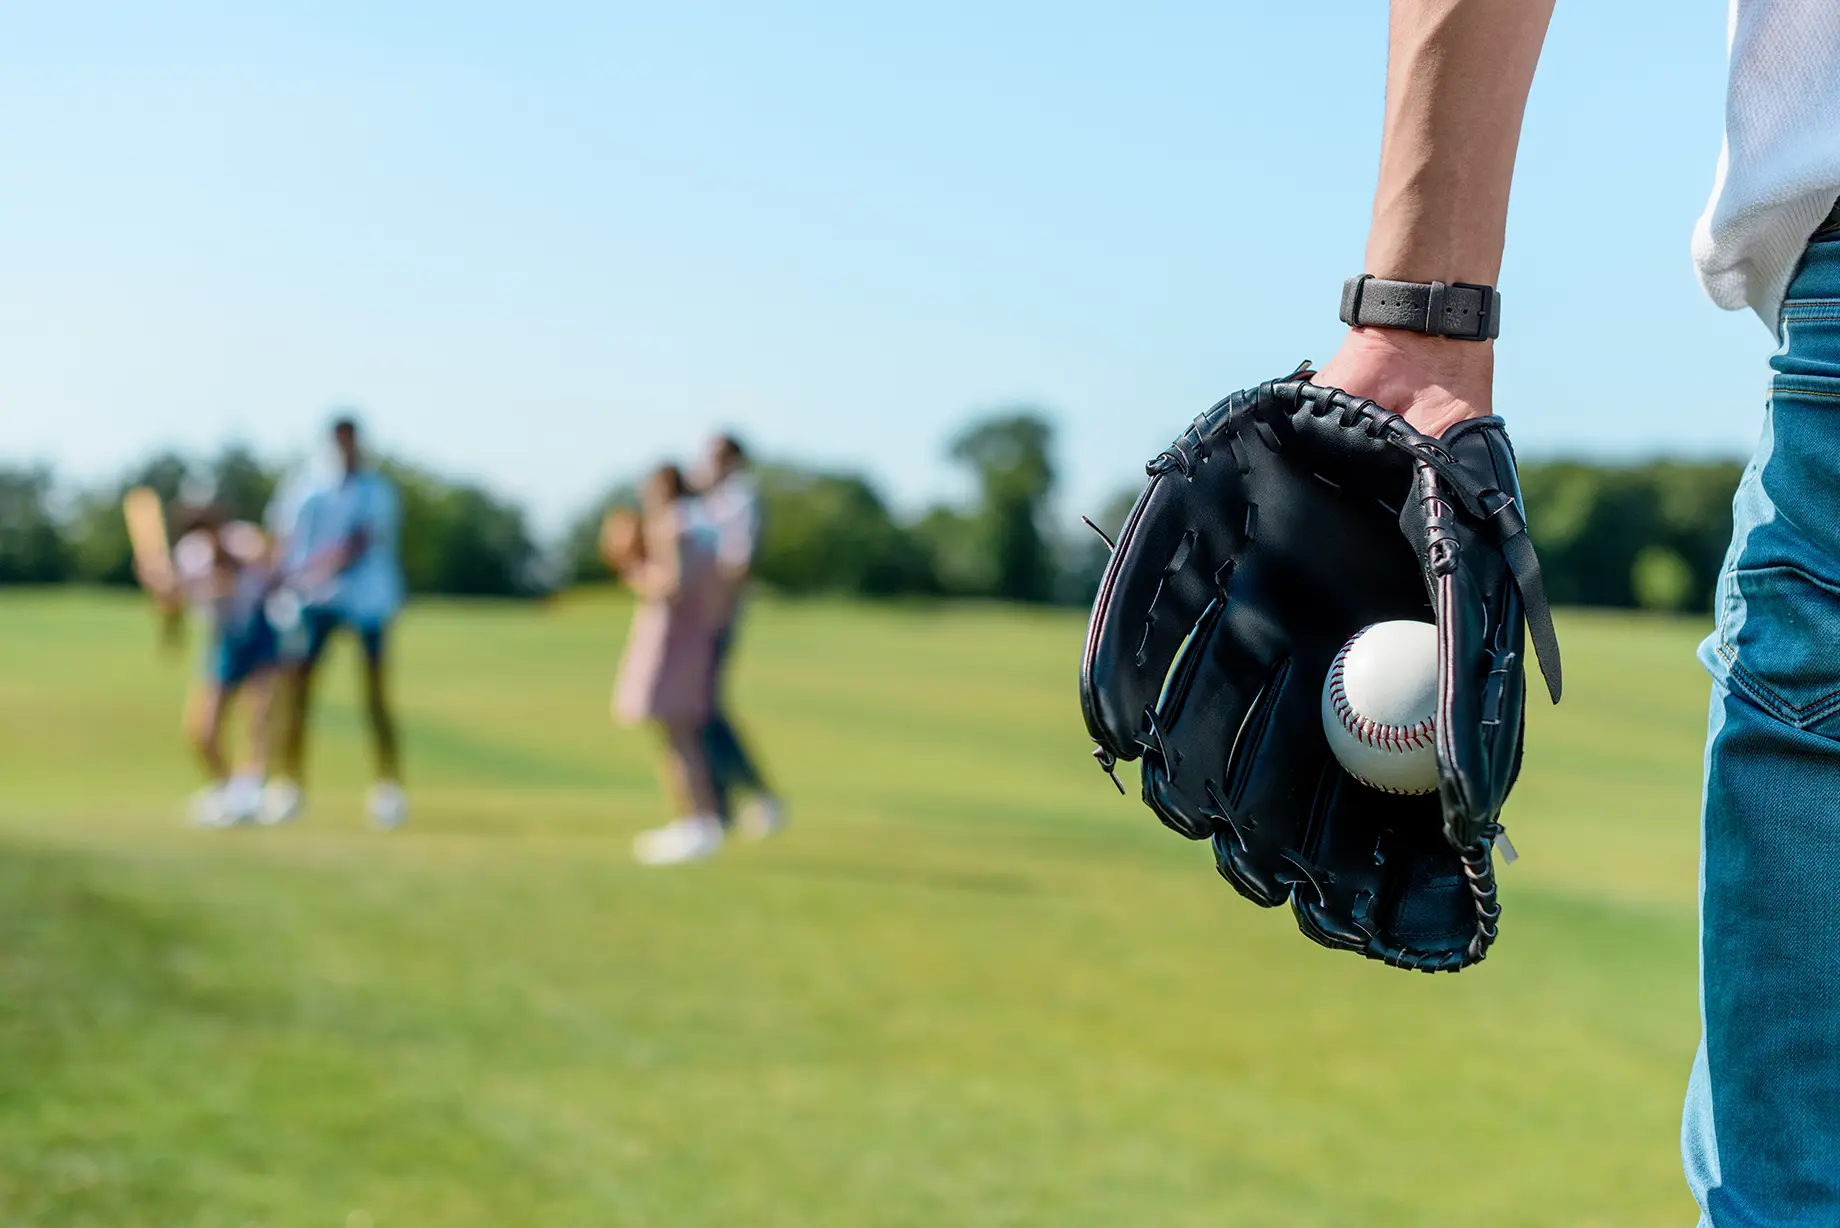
1433 382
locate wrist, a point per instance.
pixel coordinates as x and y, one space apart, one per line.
1469 365
1462 311
1434 382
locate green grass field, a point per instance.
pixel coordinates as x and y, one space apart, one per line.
970 986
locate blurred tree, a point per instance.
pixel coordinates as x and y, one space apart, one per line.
485 549
457 538
1651 534
98 536
166 472
32 545
1008 456
1661 579
1591 523
831 532
240 483
1695 500
1084 554
956 545
578 554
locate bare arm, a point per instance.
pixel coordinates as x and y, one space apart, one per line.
1458 73
333 560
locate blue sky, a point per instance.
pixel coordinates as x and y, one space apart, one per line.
547 244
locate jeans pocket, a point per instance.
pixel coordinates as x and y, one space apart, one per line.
1779 636
1809 361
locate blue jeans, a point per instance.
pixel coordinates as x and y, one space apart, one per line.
1761 1132
730 765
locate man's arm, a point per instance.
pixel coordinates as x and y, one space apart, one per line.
1457 77
377 518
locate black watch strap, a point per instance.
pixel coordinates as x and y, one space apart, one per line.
1458 310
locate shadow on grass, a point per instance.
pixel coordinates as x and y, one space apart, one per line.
83 953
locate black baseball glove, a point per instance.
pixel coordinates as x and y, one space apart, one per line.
1285 519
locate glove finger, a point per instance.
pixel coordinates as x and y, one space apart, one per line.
1217 705
1481 699
1171 562
1481 644
1275 764
1378 877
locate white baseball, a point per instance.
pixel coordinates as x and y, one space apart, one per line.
1378 704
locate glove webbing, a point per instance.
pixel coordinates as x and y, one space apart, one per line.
1494 508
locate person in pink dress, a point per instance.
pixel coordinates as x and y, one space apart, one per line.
668 557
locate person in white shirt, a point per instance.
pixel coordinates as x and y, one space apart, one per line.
340 550
1761 1130
730 503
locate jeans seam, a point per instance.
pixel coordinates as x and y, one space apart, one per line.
1767 698
1804 392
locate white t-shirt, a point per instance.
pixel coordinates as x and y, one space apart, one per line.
1779 172
732 508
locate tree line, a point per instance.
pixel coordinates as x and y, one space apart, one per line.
1648 535
457 537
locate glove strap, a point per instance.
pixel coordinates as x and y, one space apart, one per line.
1506 524
1525 565
1458 310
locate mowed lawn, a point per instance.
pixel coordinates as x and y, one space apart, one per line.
970 985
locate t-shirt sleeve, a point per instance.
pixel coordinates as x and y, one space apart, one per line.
738 527
295 526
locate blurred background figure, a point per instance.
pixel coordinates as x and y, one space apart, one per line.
731 505
340 548
668 556
224 570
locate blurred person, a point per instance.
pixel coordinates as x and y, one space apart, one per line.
667 555
730 503
224 571
1761 1128
340 540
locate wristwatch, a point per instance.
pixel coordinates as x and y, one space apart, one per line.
1459 310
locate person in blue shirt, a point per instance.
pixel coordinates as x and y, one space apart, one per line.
340 550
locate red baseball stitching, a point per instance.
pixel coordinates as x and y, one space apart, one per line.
1365 730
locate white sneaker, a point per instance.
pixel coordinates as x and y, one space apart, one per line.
243 796
209 806
280 803
389 806
690 838
764 818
